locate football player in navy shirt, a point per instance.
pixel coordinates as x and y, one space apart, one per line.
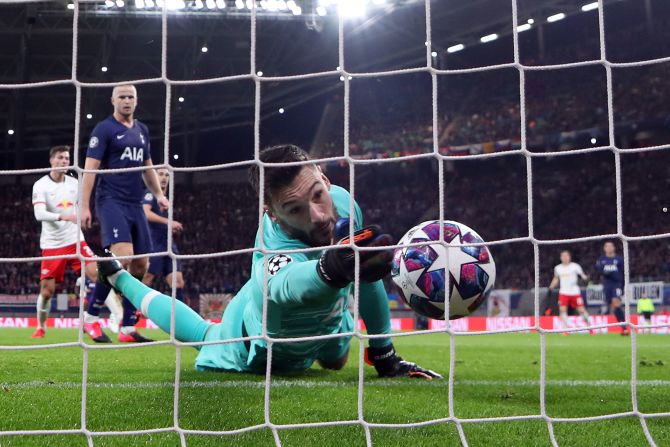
120 141
610 267
161 266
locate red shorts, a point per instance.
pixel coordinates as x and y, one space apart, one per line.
55 268
570 300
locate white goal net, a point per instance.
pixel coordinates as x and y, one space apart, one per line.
353 162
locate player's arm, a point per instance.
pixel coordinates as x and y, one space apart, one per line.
88 183
40 206
316 281
155 218
151 180
581 273
97 146
295 283
554 282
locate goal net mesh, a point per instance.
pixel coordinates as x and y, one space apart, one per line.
353 162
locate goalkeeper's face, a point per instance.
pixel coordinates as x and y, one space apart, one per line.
304 208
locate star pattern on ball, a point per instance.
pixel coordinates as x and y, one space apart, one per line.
453 258
407 281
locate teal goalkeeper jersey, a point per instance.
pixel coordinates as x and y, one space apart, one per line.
300 304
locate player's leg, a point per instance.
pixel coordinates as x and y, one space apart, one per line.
47 289
585 316
149 277
335 353
141 244
112 301
647 320
137 268
563 302
51 271
114 230
179 284
189 326
581 309
617 309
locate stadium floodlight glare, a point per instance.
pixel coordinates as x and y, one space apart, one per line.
239 4
204 49
530 21
556 17
455 48
524 27
379 2
175 4
149 3
281 110
290 4
89 116
250 4
590 6
103 69
297 11
210 4
180 99
139 4
351 8
120 3
109 3
221 4
70 6
281 4
199 4
433 53
259 73
10 131
176 156
321 11
489 38
593 141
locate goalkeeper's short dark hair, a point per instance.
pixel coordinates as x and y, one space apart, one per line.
276 178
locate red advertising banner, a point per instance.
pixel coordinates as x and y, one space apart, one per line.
467 324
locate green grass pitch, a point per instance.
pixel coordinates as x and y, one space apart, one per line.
495 375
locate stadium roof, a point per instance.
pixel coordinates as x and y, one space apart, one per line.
118 43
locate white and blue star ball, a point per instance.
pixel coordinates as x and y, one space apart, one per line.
427 275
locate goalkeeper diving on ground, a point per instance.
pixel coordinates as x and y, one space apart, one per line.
308 292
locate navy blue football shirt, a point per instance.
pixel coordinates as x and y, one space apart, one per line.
117 146
611 269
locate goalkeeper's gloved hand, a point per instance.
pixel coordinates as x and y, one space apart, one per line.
389 364
336 266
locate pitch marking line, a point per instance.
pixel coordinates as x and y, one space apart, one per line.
281 383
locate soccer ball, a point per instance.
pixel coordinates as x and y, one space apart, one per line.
424 274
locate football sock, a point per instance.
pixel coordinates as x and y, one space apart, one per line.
618 313
43 308
100 293
113 304
129 318
564 319
585 317
375 312
189 326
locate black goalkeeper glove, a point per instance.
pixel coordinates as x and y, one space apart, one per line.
389 364
336 266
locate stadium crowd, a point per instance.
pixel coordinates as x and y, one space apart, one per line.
490 196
